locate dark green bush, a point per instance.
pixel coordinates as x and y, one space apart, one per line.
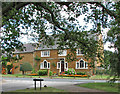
42 72
80 73
50 73
33 71
16 67
26 66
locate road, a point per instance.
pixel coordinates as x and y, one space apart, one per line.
10 84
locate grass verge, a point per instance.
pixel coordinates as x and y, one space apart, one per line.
44 89
114 87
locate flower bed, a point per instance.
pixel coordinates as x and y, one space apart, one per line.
3 70
34 74
74 75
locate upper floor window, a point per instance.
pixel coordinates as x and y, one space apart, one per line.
45 53
78 52
62 52
81 65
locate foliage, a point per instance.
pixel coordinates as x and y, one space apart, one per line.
80 73
53 64
102 71
26 66
70 71
44 16
4 61
37 58
9 67
42 72
50 73
33 71
111 63
16 67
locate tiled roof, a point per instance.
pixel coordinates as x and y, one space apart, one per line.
29 47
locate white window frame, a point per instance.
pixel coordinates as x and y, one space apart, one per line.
43 55
17 56
78 50
84 65
62 52
60 65
42 65
65 65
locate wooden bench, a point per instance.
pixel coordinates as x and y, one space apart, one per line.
38 80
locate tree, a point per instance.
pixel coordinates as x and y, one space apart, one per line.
66 28
26 66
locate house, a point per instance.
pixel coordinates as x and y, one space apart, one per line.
51 59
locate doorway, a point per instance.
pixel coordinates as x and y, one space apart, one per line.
62 66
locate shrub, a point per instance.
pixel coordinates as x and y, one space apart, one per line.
9 67
53 64
70 71
37 58
80 73
26 67
42 72
16 67
33 71
50 73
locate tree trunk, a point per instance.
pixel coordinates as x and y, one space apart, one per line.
23 72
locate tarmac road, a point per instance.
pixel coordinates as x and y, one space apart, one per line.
10 84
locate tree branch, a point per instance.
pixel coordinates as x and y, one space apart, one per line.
17 6
56 23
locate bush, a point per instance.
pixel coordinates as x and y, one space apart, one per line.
70 71
26 67
50 73
33 71
80 73
16 67
42 72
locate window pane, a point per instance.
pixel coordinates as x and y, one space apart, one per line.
66 65
62 52
48 65
45 64
81 63
77 65
58 65
41 65
86 65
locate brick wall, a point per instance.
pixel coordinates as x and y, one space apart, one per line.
28 57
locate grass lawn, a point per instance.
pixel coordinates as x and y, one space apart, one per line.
102 86
100 77
20 75
92 77
44 89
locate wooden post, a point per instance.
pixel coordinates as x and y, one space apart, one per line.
40 85
35 85
48 72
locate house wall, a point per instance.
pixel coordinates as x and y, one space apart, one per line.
54 58
27 57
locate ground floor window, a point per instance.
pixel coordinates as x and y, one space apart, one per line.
58 65
66 65
81 64
45 65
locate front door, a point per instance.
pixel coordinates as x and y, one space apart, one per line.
62 66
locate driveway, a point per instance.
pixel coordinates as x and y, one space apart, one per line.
10 84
